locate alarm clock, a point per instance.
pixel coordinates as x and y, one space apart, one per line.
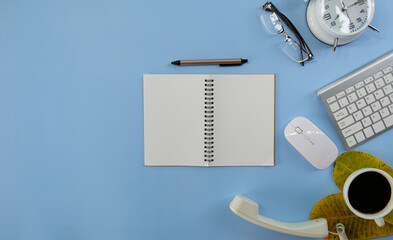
338 22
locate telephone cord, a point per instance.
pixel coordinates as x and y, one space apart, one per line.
340 231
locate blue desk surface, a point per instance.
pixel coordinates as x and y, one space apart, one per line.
71 117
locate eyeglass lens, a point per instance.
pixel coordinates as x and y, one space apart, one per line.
289 46
271 22
293 50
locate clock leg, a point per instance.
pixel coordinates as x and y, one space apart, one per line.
335 44
373 28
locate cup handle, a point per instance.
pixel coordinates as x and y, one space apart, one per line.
380 222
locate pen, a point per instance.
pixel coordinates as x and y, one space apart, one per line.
221 62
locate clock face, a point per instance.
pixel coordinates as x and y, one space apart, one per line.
346 16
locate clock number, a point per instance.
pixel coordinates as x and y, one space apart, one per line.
326 7
327 16
351 26
359 19
362 11
333 23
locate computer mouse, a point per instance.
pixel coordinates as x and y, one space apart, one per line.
311 142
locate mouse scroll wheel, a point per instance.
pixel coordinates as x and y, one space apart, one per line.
299 130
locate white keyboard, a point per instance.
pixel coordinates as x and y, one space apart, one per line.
361 103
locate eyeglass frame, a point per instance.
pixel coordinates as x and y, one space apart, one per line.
269 7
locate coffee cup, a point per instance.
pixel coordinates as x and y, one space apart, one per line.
368 192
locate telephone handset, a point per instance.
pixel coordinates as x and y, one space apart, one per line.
248 209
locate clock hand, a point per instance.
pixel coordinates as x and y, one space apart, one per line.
344 9
338 14
341 11
343 5
355 3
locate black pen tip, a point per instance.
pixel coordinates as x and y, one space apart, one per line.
176 62
244 60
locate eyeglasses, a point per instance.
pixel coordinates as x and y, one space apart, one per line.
273 20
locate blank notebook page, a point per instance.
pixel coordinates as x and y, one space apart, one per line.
173 118
244 116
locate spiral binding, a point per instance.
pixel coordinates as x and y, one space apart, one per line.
209 120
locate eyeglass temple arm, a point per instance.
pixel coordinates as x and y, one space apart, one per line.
302 43
295 31
292 28
288 22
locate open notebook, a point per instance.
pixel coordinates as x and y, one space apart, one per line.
209 120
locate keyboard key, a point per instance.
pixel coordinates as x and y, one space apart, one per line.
376 106
358 115
359 136
359 85
368 132
346 122
370 88
375 117
379 94
352 97
361 92
370 99
352 129
334 106
391 97
361 103
385 101
378 74
343 102
351 141
378 127
388 121
340 94
367 111
388 78
388 89
384 112
368 80
350 89
388 70
352 108
379 83
366 122
391 108
341 114
331 99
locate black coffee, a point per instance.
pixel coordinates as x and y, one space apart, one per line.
369 192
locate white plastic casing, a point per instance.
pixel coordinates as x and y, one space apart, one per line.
311 142
323 32
248 210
